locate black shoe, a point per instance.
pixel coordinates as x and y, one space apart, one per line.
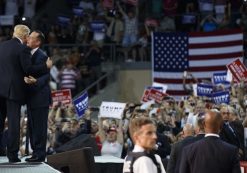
2 152
14 160
34 159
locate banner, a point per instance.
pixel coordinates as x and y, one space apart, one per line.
112 109
98 26
221 97
204 89
6 20
61 96
81 104
78 11
145 96
164 86
156 95
63 20
219 78
238 70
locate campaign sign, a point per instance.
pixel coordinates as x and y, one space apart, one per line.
78 11
155 87
98 26
156 95
61 96
238 70
145 96
164 86
219 78
112 109
63 20
221 97
204 89
81 104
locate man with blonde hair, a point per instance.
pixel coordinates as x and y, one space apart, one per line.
15 64
141 159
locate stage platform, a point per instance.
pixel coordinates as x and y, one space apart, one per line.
24 167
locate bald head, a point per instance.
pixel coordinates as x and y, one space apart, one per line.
213 122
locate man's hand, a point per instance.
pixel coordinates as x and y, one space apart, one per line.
49 62
30 80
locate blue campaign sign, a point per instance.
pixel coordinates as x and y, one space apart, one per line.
221 97
81 104
219 78
98 26
204 89
78 11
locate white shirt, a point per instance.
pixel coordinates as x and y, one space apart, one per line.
112 148
34 50
212 134
144 164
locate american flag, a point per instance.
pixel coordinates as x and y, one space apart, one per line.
202 54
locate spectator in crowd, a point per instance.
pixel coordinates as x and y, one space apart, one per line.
176 152
115 29
209 23
228 133
68 76
111 138
130 29
87 6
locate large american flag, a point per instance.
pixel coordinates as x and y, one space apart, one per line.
202 54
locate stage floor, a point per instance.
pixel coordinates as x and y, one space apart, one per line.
24 167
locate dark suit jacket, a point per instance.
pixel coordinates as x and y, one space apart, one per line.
176 153
39 93
15 64
228 136
210 155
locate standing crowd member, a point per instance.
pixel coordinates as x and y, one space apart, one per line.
141 159
210 154
38 100
15 65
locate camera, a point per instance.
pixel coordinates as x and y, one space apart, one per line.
111 13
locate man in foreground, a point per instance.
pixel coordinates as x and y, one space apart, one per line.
210 154
141 159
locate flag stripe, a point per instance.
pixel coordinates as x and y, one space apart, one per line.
202 54
213 57
217 44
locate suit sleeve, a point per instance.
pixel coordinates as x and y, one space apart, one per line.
41 82
28 68
172 161
184 165
236 164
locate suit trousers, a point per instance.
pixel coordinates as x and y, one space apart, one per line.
13 139
37 126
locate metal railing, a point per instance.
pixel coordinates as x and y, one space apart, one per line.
97 85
